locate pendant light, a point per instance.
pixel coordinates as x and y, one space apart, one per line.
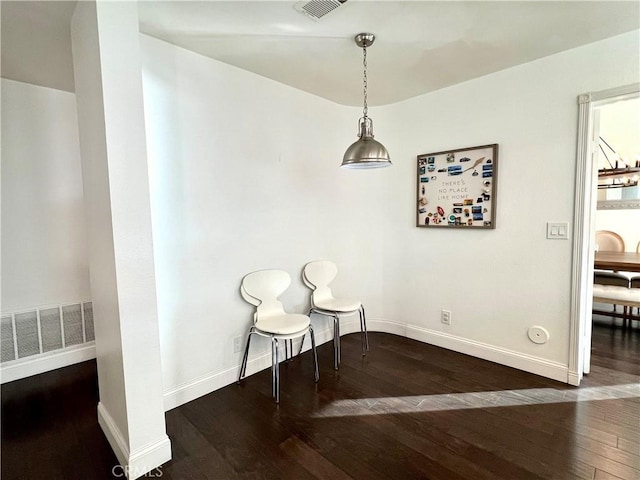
366 152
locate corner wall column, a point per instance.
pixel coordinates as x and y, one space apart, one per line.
108 79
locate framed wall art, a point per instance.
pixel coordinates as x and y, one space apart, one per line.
457 188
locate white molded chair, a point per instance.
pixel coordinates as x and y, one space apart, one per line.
262 289
317 276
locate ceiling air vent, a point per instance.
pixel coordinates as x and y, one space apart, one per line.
316 9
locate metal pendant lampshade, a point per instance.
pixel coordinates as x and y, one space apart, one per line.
365 152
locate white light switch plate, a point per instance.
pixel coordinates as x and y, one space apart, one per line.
558 230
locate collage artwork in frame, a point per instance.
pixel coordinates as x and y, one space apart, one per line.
457 188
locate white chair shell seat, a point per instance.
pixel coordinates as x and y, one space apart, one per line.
338 305
289 324
317 276
262 289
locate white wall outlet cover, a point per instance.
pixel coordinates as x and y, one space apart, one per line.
538 334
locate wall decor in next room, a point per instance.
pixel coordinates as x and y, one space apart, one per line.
457 188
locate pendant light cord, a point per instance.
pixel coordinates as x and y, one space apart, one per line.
364 81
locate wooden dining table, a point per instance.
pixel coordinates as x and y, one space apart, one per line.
618 261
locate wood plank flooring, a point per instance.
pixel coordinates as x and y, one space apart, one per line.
405 411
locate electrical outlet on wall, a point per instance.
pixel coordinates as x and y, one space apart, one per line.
237 344
445 317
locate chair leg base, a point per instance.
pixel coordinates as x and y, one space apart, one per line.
336 333
245 356
363 331
275 370
337 345
275 361
315 355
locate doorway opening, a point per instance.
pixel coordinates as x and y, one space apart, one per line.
586 198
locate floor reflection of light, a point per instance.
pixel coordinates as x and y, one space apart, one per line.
469 400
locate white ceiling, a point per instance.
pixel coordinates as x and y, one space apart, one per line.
36 43
421 46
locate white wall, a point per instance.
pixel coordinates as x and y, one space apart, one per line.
245 176
497 283
44 254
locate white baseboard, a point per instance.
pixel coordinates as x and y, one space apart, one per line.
149 458
113 434
256 363
573 378
539 366
36 364
135 463
503 356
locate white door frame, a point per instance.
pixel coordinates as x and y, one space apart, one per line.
584 230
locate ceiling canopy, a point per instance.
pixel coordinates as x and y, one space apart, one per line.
421 46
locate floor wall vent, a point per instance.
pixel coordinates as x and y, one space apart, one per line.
33 332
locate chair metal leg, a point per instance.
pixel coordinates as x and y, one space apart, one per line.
364 347
275 370
315 356
243 368
336 341
364 324
277 375
273 367
291 348
363 332
301 344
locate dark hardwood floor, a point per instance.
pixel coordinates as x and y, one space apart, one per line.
405 411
